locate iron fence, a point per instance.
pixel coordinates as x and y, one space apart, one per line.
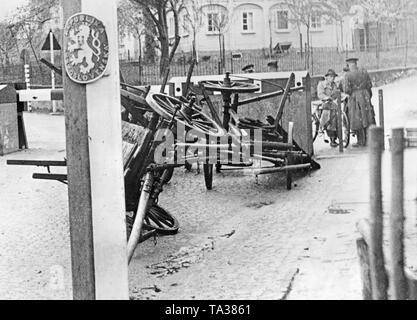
318 62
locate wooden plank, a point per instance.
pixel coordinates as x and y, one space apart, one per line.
79 188
381 112
309 148
398 282
363 253
378 273
132 136
95 172
106 173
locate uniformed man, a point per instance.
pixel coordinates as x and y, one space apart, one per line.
327 92
358 85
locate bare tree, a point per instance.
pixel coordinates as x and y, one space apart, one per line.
387 11
158 11
27 23
342 9
193 21
131 22
221 16
301 13
8 45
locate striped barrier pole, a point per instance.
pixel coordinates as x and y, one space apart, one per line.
27 81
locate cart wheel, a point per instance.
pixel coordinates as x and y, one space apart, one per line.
190 116
208 176
160 220
316 126
145 235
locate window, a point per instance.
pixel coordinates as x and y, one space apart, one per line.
281 22
315 21
247 22
212 22
171 27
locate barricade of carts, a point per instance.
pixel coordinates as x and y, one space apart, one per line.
162 133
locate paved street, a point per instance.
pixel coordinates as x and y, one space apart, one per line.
246 239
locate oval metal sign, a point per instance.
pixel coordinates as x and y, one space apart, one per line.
86 48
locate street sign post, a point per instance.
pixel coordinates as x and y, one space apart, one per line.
51 44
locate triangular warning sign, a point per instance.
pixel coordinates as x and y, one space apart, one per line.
47 45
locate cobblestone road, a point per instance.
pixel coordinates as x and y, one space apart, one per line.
243 240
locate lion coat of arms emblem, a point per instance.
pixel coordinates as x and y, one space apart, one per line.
86 51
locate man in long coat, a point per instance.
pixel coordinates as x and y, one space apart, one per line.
358 85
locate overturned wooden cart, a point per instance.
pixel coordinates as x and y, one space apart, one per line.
282 143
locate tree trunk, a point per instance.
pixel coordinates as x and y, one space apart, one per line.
164 63
220 51
195 55
308 52
224 54
140 60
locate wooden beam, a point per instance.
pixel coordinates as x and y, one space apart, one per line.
381 112
95 171
398 281
363 253
378 273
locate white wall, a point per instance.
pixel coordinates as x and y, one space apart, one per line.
237 39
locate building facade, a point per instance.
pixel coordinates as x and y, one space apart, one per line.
211 26
258 24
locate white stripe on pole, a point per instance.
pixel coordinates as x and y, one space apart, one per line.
107 181
27 80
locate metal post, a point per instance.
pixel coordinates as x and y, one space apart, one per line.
378 272
381 114
397 279
95 170
51 44
28 86
339 121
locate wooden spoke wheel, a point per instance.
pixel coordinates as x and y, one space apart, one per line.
233 87
160 220
192 117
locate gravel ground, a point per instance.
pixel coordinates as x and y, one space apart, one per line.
246 239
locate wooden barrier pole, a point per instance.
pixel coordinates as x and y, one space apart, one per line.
398 281
378 272
95 170
339 121
363 253
381 113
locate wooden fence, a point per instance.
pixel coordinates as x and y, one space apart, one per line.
389 278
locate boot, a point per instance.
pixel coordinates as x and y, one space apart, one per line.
333 143
360 137
365 137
